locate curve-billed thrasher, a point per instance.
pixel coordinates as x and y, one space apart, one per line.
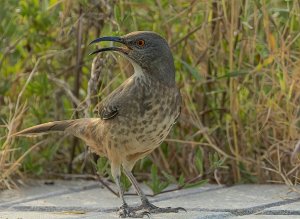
136 117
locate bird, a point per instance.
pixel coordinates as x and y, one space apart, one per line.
135 118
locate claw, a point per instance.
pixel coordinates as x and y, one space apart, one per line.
182 209
126 211
167 210
154 209
146 213
123 211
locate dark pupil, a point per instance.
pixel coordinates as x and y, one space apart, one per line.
140 42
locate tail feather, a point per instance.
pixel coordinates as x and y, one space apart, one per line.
47 127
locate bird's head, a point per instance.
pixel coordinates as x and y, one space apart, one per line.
147 51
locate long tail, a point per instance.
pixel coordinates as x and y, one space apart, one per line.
47 127
77 127
88 129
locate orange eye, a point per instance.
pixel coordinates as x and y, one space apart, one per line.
141 42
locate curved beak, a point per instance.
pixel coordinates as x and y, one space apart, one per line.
111 39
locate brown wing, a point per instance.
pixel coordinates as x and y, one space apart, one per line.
178 103
109 112
107 109
111 106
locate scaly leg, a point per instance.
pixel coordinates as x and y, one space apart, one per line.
125 210
146 205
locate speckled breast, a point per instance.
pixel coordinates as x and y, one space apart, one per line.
159 107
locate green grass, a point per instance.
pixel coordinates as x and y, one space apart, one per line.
237 66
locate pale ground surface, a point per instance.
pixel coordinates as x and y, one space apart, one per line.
88 199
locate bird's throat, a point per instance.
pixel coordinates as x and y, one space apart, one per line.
158 74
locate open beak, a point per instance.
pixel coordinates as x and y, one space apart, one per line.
124 50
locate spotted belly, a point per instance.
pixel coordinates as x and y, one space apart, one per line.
157 122
154 133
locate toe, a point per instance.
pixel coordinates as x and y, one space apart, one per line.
167 210
126 211
181 209
146 213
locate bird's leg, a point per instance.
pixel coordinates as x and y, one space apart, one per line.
146 205
125 210
121 192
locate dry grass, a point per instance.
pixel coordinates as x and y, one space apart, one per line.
237 66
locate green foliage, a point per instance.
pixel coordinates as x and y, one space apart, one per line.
103 166
156 184
196 184
125 182
199 161
237 67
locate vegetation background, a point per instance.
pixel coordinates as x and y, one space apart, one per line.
237 65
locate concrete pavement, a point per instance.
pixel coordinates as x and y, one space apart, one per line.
88 199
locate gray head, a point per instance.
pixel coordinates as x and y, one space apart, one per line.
147 50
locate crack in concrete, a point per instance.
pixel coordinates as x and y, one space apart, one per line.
48 195
59 209
6 205
281 212
158 199
258 210
237 212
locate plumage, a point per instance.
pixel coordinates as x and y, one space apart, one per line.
136 117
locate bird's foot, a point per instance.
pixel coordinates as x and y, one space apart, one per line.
147 206
126 211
